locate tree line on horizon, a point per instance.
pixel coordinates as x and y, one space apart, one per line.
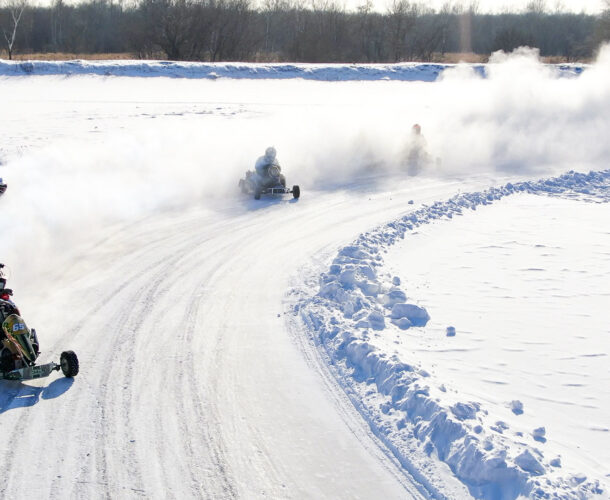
292 30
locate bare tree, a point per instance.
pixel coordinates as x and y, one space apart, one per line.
431 32
175 26
298 23
273 12
536 7
293 30
402 15
510 38
13 10
230 36
370 37
602 27
57 19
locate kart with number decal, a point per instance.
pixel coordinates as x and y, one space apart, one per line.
19 346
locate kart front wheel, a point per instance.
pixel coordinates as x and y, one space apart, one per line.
69 363
296 191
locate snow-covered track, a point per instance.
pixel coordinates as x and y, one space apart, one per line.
190 381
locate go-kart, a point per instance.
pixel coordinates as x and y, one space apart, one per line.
272 182
19 346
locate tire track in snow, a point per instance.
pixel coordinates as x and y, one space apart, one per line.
153 292
185 386
227 363
132 318
119 356
343 403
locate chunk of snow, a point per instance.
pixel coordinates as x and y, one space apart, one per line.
517 407
417 315
394 297
539 434
529 463
402 323
347 277
376 320
465 411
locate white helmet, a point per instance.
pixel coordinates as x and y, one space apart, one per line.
270 153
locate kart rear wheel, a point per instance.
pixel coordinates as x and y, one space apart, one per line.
296 191
7 362
69 363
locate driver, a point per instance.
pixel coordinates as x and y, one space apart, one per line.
7 307
264 162
417 154
11 350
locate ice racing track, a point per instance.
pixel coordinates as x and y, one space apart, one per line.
130 244
195 383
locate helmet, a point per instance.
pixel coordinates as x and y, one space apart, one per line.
270 153
416 129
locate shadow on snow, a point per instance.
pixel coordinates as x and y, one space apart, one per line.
251 204
15 394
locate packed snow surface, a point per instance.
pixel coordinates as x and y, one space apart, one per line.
523 312
443 335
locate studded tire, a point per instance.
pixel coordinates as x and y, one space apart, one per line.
69 363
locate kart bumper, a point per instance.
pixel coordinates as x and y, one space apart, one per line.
31 372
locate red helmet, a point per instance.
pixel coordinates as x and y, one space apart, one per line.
416 128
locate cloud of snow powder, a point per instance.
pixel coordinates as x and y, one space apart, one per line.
117 149
523 118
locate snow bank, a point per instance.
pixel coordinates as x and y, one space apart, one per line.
356 300
322 72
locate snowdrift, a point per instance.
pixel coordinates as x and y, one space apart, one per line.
321 72
355 299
